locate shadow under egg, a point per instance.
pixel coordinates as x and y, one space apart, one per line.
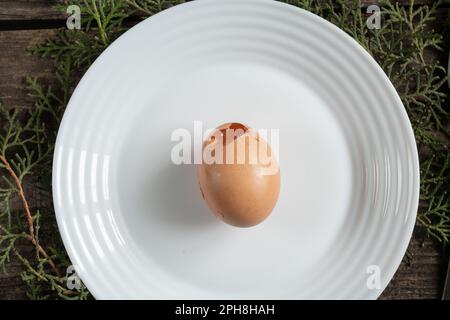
175 198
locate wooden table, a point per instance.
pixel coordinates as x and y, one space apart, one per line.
23 23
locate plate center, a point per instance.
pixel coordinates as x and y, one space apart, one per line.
161 204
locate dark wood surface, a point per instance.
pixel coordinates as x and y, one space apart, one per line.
25 23
15 10
39 10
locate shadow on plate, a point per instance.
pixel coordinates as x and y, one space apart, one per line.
175 197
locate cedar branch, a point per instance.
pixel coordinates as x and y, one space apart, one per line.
26 207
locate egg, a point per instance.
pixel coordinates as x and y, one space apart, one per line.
239 176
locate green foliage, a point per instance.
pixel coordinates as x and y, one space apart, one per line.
402 47
27 138
26 149
435 203
150 7
102 23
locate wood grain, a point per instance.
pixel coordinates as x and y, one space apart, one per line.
421 276
17 10
29 10
16 64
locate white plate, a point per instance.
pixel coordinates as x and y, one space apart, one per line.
134 224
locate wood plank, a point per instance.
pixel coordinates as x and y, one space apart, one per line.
16 64
12 286
18 10
421 278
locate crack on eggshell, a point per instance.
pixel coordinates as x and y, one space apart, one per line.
235 127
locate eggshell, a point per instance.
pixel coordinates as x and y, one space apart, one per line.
242 193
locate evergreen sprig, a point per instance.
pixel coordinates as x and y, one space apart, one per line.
26 146
150 7
404 47
27 138
102 23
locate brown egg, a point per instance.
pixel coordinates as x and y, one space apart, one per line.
239 185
